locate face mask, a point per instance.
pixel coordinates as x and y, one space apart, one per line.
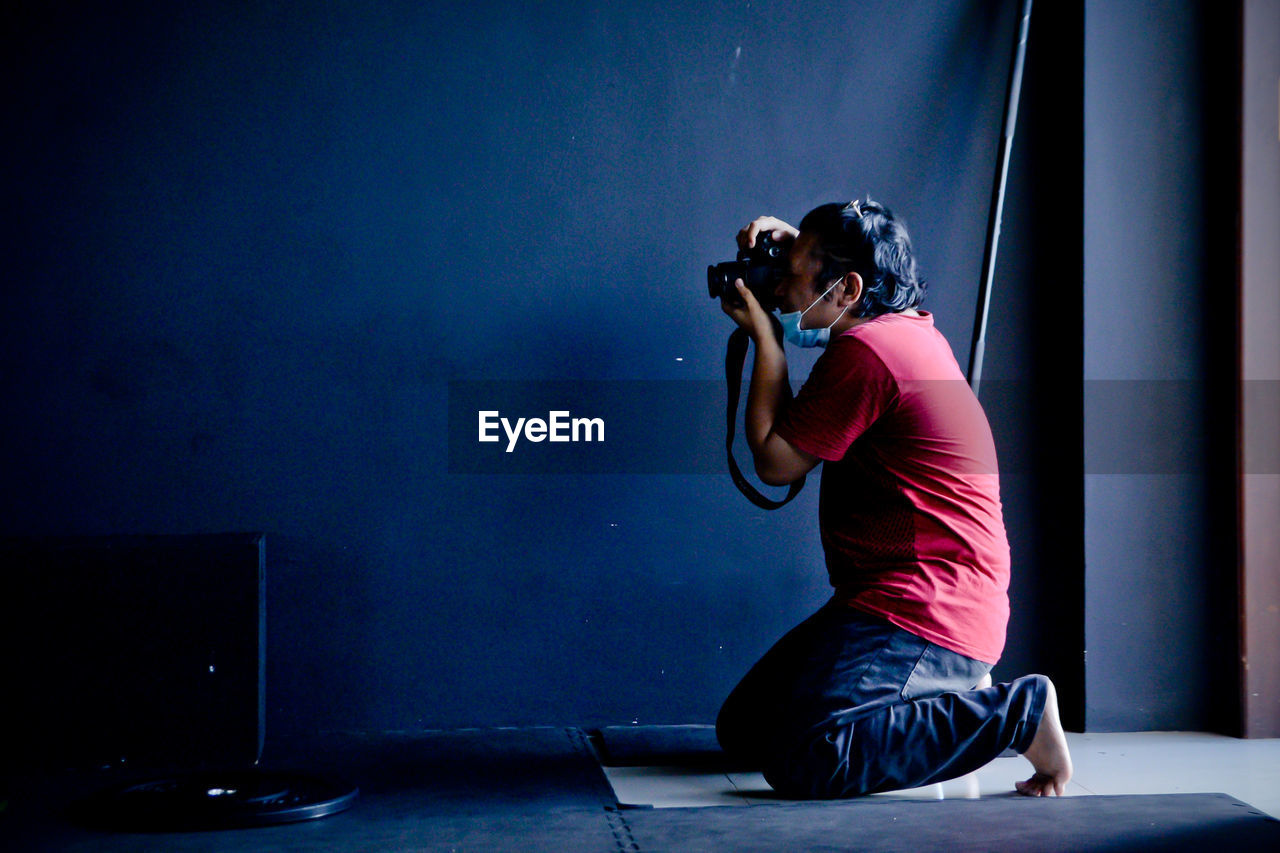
792 332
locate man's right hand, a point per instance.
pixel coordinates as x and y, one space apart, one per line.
782 232
747 313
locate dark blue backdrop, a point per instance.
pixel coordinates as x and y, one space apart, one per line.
254 243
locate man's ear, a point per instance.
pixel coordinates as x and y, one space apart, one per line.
852 290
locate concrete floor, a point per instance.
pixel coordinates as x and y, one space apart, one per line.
1107 763
543 789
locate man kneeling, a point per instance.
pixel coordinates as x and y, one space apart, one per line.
887 685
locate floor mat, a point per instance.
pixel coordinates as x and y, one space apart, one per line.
1171 822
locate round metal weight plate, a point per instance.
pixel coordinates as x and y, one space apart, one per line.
219 800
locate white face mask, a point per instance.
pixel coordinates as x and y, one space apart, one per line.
792 332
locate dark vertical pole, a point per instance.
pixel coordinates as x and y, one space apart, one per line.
1050 583
1220 57
979 342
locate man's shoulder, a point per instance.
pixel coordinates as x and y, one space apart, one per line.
852 365
851 350
909 347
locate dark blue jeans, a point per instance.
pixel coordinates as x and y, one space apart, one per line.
848 704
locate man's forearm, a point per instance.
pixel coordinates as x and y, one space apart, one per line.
766 395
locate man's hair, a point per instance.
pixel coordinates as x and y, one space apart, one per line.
864 237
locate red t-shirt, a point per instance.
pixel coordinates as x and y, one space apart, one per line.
910 503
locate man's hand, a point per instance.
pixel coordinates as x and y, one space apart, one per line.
782 232
748 313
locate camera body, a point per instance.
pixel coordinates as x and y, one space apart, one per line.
761 267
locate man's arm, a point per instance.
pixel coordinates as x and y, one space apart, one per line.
777 461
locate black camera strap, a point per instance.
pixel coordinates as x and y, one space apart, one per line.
735 360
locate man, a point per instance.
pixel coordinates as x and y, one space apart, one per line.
887 685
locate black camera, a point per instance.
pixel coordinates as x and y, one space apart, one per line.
760 267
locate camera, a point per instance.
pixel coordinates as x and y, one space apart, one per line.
761 268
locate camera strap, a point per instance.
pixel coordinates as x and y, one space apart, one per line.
735 360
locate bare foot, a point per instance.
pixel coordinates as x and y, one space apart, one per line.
1048 754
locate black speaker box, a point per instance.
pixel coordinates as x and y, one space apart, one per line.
143 650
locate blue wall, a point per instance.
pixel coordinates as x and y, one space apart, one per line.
253 246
